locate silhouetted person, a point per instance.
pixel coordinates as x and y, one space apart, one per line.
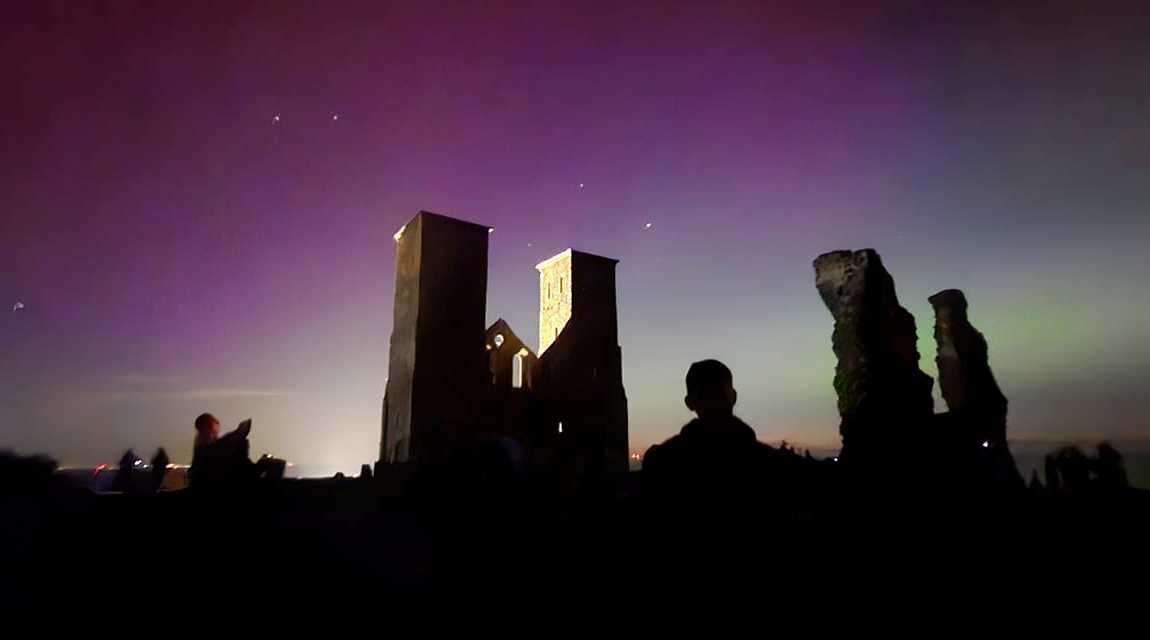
124 477
207 429
1109 470
714 456
1073 469
221 462
159 468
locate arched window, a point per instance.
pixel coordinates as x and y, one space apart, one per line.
517 371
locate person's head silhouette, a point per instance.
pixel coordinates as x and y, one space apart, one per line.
207 429
710 389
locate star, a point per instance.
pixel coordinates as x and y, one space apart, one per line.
276 118
580 185
529 245
335 116
647 226
18 306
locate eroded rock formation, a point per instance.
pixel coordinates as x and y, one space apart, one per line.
972 435
884 398
964 375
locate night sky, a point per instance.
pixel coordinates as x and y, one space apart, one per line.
197 201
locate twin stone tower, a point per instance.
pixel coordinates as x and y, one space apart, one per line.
455 383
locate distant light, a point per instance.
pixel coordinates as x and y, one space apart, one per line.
498 340
986 444
560 427
276 118
835 459
647 226
580 185
529 245
335 116
490 229
399 234
18 306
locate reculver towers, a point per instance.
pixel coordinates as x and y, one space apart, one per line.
452 381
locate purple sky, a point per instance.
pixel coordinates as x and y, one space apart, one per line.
178 250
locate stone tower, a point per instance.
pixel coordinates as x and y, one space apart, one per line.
437 368
555 296
579 377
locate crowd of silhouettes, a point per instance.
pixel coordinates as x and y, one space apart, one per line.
219 463
1069 470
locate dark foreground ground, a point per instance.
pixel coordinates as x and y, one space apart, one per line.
332 536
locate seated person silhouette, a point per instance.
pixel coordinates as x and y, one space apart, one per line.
221 462
714 455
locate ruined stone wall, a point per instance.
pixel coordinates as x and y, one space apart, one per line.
884 398
964 374
888 426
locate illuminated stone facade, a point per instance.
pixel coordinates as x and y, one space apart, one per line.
453 383
437 371
554 297
579 382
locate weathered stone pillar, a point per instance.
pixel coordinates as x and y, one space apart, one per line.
973 433
964 375
884 398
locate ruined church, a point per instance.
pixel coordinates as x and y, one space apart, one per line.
453 381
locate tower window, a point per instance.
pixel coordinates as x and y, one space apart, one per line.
560 285
548 290
560 426
517 371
